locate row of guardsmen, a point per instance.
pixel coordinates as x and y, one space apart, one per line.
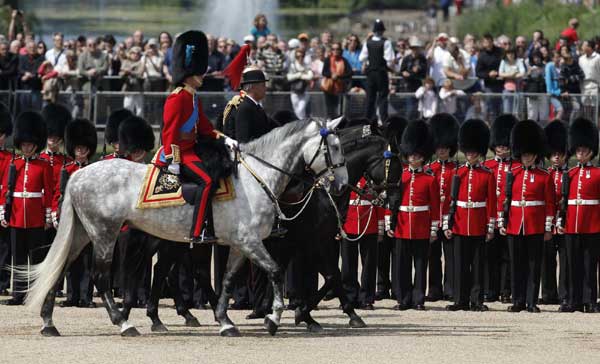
500 222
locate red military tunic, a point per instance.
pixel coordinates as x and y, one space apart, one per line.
499 168
583 212
476 203
533 205
33 193
419 214
56 160
71 168
5 158
362 216
443 172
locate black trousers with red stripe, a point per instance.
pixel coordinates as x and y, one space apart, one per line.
193 170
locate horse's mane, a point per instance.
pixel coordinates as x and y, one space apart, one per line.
276 136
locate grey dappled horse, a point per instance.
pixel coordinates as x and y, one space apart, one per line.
100 198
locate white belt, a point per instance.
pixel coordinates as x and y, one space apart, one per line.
28 194
471 205
360 203
583 202
414 208
524 203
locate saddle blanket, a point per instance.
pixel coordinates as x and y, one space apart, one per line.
163 189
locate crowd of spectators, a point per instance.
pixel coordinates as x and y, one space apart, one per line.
438 73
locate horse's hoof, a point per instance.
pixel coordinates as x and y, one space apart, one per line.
49 331
270 326
192 322
130 332
357 323
159 328
230 332
314 328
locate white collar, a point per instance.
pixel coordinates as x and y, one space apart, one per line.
254 101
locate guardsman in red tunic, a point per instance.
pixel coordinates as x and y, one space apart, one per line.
497 259
111 133
31 206
558 156
81 141
393 126
472 217
418 217
5 158
444 128
184 121
582 224
530 219
364 224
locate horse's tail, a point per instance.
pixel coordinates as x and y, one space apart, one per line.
46 274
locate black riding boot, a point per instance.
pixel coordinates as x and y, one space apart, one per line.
208 232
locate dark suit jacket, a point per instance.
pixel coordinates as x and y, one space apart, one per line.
251 122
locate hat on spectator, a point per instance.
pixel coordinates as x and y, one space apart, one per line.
528 137
378 26
303 36
6 124
444 128
442 36
57 117
135 134
415 42
453 40
30 128
190 56
152 42
80 132
253 74
501 129
556 134
474 137
249 38
417 139
111 132
583 133
293 43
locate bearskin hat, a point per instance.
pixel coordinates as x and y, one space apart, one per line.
501 128
444 129
283 117
417 139
474 136
80 132
190 55
583 133
393 127
30 128
6 124
111 133
556 136
528 136
135 134
57 117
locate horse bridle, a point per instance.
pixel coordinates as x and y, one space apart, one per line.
324 148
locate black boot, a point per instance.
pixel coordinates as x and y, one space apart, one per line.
207 235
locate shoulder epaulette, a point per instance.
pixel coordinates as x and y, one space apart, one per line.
234 103
177 90
429 172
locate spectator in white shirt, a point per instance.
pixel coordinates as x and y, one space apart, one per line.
57 55
589 62
436 55
512 70
449 95
428 100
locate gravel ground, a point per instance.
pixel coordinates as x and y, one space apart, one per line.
433 336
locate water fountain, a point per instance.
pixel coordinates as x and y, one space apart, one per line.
234 18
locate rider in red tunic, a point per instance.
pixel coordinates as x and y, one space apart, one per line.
184 121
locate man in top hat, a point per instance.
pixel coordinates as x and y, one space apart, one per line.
530 217
81 141
497 259
29 202
582 223
558 156
184 121
418 218
377 53
444 128
472 218
6 127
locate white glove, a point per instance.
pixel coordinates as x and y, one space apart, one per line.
231 143
174 168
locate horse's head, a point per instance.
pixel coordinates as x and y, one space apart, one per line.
323 155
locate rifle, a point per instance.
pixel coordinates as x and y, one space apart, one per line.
64 178
453 197
564 203
508 194
12 176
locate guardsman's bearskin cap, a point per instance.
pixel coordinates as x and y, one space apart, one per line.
583 133
190 56
556 135
81 132
135 134
6 122
501 129
30 128
444 129
57 117
474 136
528 136
417 139
393 127
111 133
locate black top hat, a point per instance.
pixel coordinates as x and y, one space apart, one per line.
111 132
30 128
6 124
81 132
57 117
501 128
583 133
444 128
135 134
417 139
527 136
378 26
474 136
190 56
556 135
253 75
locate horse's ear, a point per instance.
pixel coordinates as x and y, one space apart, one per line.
333 124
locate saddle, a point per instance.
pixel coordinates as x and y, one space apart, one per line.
161 188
